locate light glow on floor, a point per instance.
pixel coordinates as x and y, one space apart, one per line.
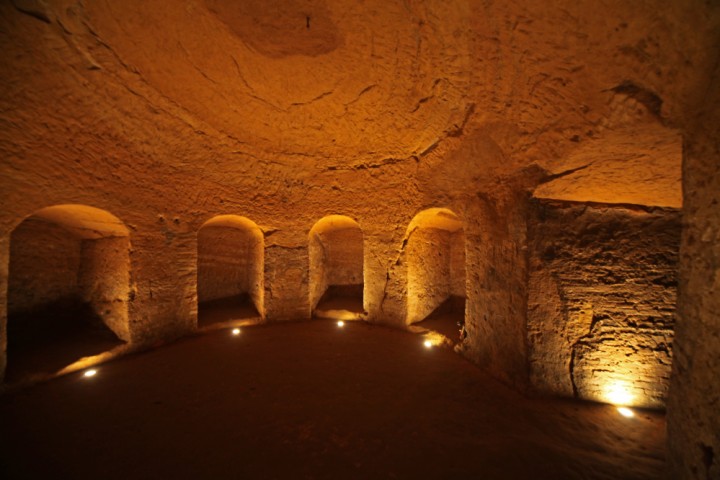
90 373
236 331
428 344
340 323
626 412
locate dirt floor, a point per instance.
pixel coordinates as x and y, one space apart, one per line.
43 342
312 400
447 319
226 309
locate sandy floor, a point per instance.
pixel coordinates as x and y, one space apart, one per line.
311 400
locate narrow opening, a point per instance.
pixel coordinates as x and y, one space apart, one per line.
336 268
435 257
68 289
230 270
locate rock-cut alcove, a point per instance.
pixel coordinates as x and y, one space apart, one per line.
230 270
559 134
335 250
68 288
435 257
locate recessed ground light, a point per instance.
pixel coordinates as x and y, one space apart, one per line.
427 344
236 331
90 373
341 323
626 412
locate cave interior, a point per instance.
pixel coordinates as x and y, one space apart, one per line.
455 213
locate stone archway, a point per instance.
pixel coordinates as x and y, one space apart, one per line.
230 270
435 257
336 268
68 288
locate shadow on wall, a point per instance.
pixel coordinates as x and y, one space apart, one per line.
230 273
335 247
68 288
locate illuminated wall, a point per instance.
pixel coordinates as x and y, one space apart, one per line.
44 265
230 260
435 258
70 254
602 296
335 247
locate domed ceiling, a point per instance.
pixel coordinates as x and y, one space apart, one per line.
303 77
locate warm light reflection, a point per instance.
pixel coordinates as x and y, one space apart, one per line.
433 339
340 323
236 331
626 412
90 373
619 394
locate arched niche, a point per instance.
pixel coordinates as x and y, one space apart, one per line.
336 268
435 258
230 270
68 288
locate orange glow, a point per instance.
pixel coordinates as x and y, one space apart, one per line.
90 373
433 339
87 362
236 331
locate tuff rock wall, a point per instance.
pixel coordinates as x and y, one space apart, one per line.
230 263
601 301
343 256
285 112
457 264
335 258
104 277
45 261
429 275
693 420
436 270
53 268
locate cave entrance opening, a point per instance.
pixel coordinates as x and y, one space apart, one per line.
68 289
335 249
435 256
230 274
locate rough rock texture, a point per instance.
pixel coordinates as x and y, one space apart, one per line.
458 284
44 265
52 265
637 165
167 115
693 419
436 270
336 255
230 263
601 301
104 279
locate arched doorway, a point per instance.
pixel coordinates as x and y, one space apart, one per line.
68 288
336 268
435 257
230 270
